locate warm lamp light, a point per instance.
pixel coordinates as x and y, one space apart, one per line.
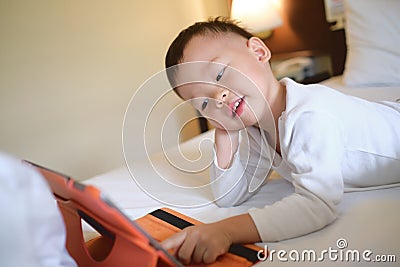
259 16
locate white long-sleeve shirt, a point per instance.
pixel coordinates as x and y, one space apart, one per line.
330 142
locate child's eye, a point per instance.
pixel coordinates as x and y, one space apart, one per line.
219 76
204 105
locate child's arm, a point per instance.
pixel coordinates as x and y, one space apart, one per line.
226 145
204 243
240 165
228 181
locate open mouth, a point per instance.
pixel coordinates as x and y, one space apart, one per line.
237 107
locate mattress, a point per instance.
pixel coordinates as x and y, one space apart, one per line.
367 228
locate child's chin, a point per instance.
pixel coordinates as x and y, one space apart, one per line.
230 127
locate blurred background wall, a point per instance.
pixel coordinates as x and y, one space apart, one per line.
69 68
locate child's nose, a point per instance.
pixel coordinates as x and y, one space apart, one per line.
221 97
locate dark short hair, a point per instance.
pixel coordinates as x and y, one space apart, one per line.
215 26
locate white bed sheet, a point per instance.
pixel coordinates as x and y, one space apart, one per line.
367 220
387 93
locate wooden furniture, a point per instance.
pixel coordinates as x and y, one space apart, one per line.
305 30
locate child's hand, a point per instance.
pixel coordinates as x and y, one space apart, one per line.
196 244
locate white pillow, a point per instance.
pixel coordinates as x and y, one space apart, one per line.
32 230
373 42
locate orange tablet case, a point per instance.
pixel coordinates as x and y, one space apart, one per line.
164 222
123 242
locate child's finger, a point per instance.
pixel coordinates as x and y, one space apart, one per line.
174 241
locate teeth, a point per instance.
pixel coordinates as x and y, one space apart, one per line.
237 103
235 106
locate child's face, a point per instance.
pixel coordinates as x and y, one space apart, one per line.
226 79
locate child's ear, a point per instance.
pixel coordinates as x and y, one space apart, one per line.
260 50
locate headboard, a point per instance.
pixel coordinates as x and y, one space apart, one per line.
306 32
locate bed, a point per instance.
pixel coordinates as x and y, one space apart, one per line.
367 228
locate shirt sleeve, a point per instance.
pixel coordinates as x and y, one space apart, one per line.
250 167
313 148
